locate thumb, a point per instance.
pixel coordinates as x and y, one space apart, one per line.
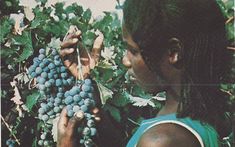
75 121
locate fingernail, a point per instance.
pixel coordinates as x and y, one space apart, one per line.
79 114
75 40
78 32
71 50
97 119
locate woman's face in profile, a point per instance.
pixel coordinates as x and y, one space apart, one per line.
137 69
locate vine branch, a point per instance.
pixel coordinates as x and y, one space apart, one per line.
8 127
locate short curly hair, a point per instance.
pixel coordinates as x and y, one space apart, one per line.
200 26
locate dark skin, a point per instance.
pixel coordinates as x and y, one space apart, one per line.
163 135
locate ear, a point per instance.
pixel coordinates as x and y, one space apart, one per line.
175 52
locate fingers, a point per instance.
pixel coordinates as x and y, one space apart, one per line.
65 52
69 42
97 49
75 121
63 121
96 111
72 68
98 41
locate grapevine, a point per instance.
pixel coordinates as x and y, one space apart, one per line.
59 90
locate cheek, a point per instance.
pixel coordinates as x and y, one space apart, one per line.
146 78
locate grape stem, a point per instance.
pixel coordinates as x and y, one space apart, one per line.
8 127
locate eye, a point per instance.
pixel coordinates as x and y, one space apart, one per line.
133 50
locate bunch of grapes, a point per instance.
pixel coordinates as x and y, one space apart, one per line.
60 90
10 142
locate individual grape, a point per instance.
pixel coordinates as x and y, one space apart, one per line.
33 74
87 102
56 76
41 110
88 143
73 91
41 57
35 60
60 95
70 113
81 102
42 51
90 95
57 100
82 141
38 70
46 69
42 87
57 63
86 131
47 84
40 142
93 131
90 123
52 81
43 136
46 143
51 112
70 81
50 75
54 52
76 98
60 89
76 108
68 100
83 94
66 94
86 88
44 75
42 65
32 68
45 61
56 109
69 107
58 82
84 108
51 66
64 75
41 80
50 104
62 69
45 117
87 81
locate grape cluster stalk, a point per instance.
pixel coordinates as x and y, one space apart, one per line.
60 89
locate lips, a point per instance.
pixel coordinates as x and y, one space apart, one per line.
131 76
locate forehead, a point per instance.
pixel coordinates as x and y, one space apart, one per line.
128 38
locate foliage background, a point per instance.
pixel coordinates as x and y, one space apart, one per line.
27 28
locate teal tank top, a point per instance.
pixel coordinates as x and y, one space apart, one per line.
205 133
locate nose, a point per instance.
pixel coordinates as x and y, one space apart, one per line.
126 61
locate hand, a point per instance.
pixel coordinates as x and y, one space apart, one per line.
88 60
67 128
66 135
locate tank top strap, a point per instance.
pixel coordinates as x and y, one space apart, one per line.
205 134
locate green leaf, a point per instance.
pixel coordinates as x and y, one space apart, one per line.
31 99
87 15
115 113
6 27
105 93
120 99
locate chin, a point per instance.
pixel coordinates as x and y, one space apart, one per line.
152 90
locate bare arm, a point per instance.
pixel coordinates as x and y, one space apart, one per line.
168 135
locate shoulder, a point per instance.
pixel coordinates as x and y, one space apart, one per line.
168 135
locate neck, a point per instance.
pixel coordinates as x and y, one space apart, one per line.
171 104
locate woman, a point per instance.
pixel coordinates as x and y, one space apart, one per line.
180 47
